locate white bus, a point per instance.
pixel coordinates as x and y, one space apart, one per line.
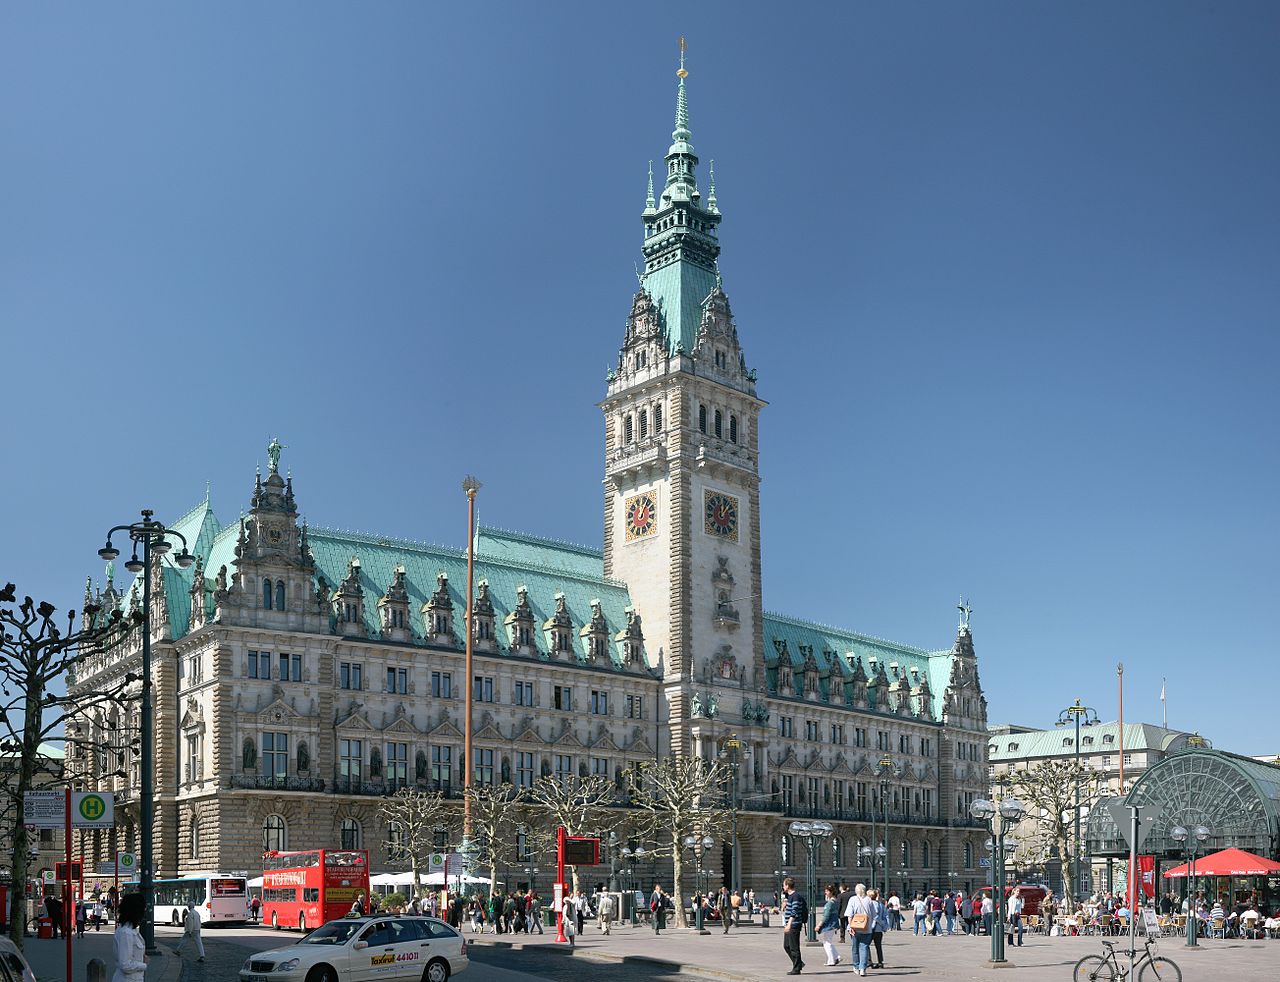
218 897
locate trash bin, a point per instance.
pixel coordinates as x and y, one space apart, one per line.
764 916
548 918
44 927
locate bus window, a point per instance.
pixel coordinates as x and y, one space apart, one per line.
310 895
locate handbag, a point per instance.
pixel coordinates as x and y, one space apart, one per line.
858 923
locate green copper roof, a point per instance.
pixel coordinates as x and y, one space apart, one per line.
1100 739
679 290
500 545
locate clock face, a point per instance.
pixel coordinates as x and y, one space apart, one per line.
720 515
275 535
641 516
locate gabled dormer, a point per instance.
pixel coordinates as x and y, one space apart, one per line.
482 618
595 635
437 613
558 629
630 639
348 602
520 625
393 609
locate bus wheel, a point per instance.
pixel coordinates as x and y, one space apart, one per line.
322 973
302 922
437 971
274 922
175 922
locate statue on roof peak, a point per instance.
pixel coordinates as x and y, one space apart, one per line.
273 455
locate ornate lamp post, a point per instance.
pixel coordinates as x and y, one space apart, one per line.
732 752
1081 716
154 539
1191 841
886 771
867 854
699 846
812 833
470 486
629 854
1010 813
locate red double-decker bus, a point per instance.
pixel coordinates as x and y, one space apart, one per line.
305 889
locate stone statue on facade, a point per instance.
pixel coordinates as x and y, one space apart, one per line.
273 455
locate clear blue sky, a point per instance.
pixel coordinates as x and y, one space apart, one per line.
1009 273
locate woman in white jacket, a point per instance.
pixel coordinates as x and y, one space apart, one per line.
130 951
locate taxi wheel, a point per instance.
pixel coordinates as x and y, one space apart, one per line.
436 971
322 973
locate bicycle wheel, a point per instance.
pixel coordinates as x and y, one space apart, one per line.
1094 968
1160 970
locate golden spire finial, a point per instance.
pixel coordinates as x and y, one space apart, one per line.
680 71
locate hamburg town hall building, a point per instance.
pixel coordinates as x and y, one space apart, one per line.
303 673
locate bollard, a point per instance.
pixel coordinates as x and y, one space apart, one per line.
97 970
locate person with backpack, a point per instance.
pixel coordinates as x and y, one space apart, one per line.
862 913
658 904
935 913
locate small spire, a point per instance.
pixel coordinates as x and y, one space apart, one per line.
649 201
681 133
711 188
206 492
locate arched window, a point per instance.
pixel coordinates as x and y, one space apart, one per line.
733 429
266 594
702 418
395 842
968 855
788 851
275 834
644 424
195 838
627 433
718 418
906 855
657 418
279 595
924 855
352 834
837 851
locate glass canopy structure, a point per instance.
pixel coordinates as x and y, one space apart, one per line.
1237 798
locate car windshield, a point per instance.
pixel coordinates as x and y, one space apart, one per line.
335 932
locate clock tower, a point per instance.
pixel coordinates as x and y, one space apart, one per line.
681 486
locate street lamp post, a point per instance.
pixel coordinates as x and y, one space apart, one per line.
732 749
153 536
699 846
886 771
1010 812
876 857
1191 841
629 854
1082 716
470 486
812 833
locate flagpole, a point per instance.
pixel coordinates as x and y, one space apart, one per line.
1164 705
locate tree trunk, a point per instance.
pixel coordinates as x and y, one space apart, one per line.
1068 869
26 772
493 877
677 895
417 876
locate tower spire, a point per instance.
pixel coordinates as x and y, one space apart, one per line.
649 202
711 187
681 133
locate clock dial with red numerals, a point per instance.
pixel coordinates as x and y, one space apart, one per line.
720 515
641 517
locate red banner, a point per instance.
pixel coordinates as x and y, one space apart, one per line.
1147 871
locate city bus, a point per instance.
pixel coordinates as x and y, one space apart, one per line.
310 887
218 897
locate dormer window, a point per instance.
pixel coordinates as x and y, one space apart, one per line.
1108 738
1013 747
644 423
702 418
628 432
718 424
1087 739
733 429
657 419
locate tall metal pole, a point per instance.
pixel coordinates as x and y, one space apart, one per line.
997 887
470 485
147 800
1193 926
1077 886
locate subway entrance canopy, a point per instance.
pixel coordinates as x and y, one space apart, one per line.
1236 798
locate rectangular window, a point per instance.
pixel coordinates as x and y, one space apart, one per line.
1106 761
563 767
350 760
786 726
482 688
398 680
522 694
862 797
788 792
635 707
811 730
441 768
600 766
523 853
882 740
1128 759
562 697
484 767
350 675
837 734
839 795
193 757
284 668
926 804
860 736
259 665
397 764
295 668
524 769
442 685
275 755
599 702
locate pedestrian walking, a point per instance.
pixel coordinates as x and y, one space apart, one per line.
895 910
535 911
658 904
918 909
605 912
82 914
949 912
127 944
570 921
862 914
724 904
842 901
987 911
829 925
795 912
191 931
255 909
935 913
1016 904
53 907
878 926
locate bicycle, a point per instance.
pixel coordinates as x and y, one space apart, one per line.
1106 968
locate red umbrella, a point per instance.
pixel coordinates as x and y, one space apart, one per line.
1229 862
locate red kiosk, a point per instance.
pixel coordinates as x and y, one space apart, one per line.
571 850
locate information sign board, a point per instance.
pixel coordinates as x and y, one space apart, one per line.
44 809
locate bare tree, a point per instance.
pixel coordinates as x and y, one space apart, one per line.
495 814
34 654
1049 791
416 815
680 796
580 804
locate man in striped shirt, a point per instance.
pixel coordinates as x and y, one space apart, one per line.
795 912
